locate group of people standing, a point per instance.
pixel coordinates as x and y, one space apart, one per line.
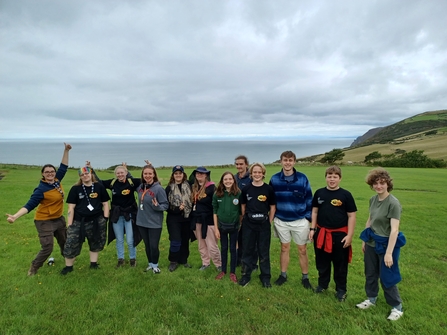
240 212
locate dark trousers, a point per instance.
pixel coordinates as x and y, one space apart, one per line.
257 246
47 230
232 239
179 235
339 258
151 239
373 263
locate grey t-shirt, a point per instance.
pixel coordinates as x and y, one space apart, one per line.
381 213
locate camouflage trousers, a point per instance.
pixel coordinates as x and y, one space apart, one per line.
94 231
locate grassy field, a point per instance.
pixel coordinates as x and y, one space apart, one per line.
187 301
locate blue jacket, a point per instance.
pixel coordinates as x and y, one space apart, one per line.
388 276
293 199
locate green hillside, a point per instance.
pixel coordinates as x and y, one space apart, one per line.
426 131
420 123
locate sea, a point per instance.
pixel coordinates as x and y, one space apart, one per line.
105 153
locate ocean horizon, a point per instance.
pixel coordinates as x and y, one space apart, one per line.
106 153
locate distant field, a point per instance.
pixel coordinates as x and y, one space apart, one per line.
434 146
187 301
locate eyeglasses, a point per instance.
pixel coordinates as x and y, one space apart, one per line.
49 172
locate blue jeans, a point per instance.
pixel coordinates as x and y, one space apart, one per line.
118 228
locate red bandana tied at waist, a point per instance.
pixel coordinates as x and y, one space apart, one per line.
325 236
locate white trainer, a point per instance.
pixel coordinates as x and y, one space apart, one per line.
365 304
395 314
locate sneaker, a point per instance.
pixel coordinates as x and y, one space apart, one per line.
244 281
266 284
220 275
173 266
365 304
306 284
66 270
219 268
233 278
320 289
149 268
395 314
94 266
281 280
133 262
32 270
188 266
204 267
121 263
156 270
341 295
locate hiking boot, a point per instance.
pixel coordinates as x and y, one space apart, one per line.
66 270
94 266
306 284
233 278
121 263
365 304
341 295
220 275
281 280
133 262
395 314
32 270
244 281
320 289
204 267
173 266
266 284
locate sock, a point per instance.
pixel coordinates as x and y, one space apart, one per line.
284 274
398 307
373 300
305 276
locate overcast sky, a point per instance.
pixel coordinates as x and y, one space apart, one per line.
169 69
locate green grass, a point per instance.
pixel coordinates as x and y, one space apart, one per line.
129 301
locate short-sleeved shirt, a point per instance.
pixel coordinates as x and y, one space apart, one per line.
333 207
257 200
94 195
381 213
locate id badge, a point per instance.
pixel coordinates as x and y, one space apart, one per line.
90 207
141 206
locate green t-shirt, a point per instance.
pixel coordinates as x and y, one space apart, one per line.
381 213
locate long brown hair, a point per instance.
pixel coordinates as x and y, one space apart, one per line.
150 166
172 180
220 190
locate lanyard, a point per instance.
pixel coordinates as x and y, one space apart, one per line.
85 192
57 186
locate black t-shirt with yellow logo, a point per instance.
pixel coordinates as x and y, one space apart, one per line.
82 197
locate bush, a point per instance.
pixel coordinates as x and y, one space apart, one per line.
332 156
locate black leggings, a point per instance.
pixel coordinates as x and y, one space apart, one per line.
151 238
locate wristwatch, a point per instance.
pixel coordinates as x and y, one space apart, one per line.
314 229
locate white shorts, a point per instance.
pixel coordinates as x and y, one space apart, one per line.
286 230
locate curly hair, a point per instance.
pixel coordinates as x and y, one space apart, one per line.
379 174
